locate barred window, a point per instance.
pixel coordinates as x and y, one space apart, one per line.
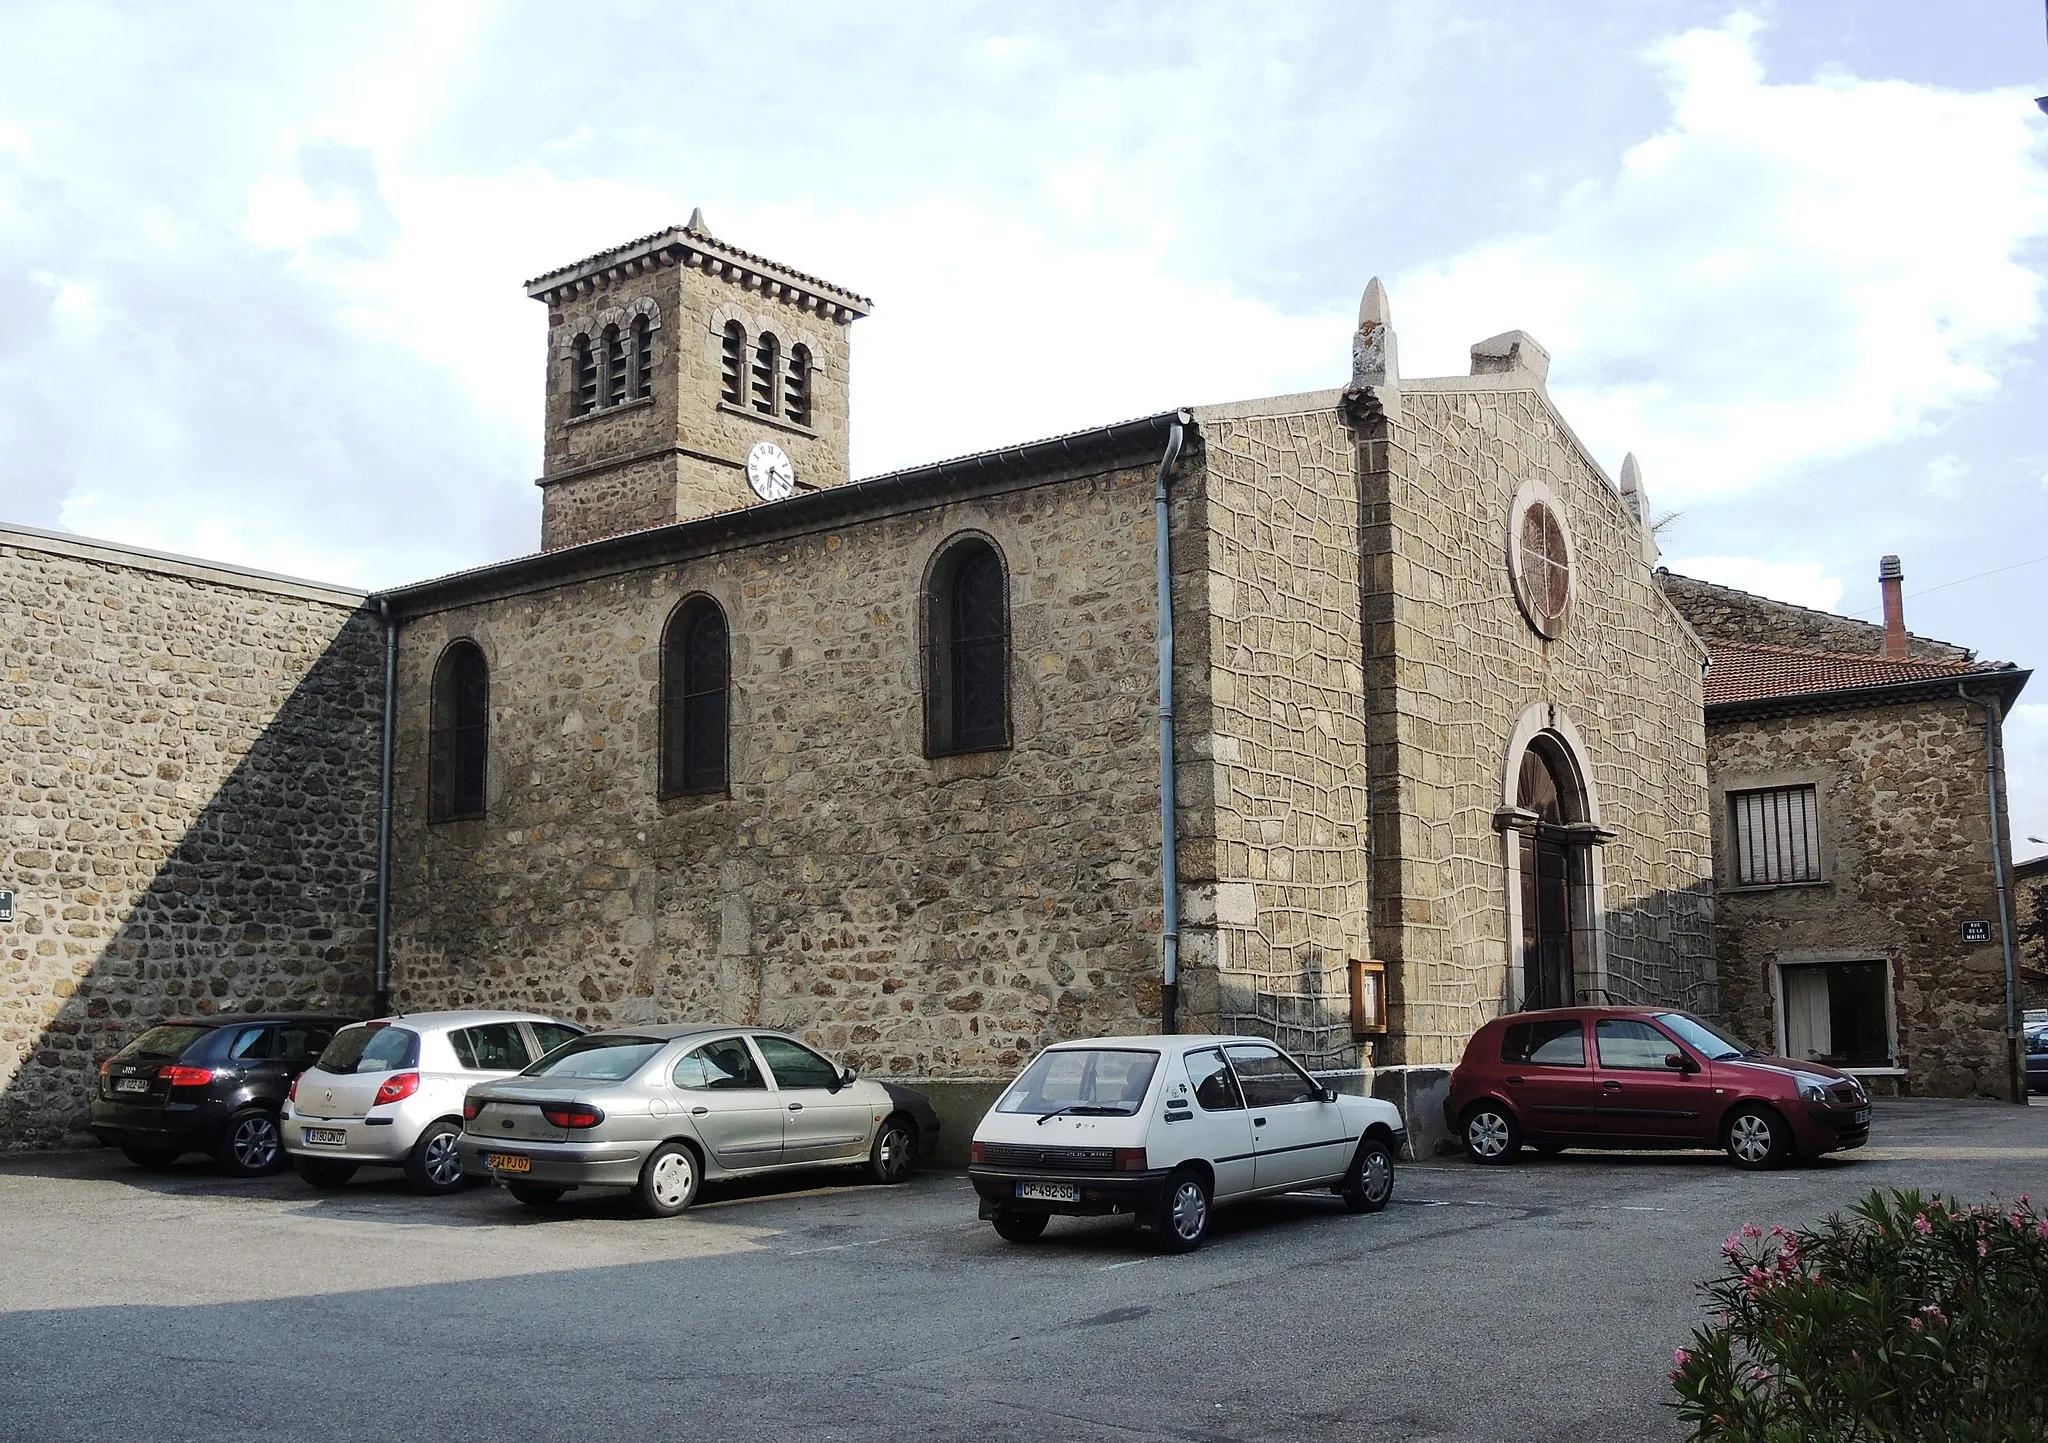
796 389
695 681
733 367
459 728
1777 836
641 383
614 366
767 365
582 378
967 705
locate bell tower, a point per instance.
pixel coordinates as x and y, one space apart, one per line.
687 377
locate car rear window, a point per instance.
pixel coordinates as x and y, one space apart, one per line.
597 1059
1105 1080
370 1049
168 1040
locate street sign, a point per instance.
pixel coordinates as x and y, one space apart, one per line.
1976 931
6 906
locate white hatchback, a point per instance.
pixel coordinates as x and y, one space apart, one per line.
388 1093
1165 1128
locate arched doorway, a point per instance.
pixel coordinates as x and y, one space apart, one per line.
1551 838
1547 972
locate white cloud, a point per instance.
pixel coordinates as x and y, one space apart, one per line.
1787 272
1800 582
1945 475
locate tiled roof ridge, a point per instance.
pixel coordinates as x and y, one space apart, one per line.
1942 664
703 238
1837 616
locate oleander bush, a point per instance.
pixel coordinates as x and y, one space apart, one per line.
1908 1318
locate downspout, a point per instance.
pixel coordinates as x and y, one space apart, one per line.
1169 856
2014 1075
380 985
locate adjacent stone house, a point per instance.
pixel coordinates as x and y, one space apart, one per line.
189 762
2030 908
1856 791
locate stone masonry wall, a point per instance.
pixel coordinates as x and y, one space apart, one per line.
190 764
1276 896
2030 927
1452 665
1722 613
928 918
1905 860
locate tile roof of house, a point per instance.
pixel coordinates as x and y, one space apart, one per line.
1753 671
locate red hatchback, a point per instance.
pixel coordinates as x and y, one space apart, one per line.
1641 1078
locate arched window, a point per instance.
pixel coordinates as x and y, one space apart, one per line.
696 678
582 378
459 734
641 381
796 388
767 365
967 672
614 366
1548 978
733 378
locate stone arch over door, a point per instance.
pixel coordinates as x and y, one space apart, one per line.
1551 839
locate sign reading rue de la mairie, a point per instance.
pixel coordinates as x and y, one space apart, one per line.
6 906
1976 931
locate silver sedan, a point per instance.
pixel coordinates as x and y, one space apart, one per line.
660 1109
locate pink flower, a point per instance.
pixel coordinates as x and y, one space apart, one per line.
2041 1228
1751 1230
1681 1357
1933 1310
1918 1326
1983 1249
1922 1226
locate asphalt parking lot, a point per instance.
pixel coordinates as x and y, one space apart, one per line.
1540 1301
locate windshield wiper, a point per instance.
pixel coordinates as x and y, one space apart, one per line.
1094 1109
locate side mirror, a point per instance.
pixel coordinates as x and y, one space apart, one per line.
845 1079
1679 1062
1329 1094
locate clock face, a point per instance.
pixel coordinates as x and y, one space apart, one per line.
769 472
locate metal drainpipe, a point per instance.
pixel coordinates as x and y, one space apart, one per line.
380 986
2015 1076
1169 857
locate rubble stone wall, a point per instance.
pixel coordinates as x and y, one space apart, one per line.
1723 613
937 918
190 761
1905 861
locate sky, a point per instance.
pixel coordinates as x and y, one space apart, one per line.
260 266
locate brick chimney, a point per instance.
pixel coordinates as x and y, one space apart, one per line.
1889 580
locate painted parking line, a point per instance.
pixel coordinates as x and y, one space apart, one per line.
1473 1202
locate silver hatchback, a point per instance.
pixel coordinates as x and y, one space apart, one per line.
660 1109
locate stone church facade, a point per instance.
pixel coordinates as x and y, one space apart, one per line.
880 761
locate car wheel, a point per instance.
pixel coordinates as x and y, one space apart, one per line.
668 1181
534 1196
895 1151
1184 1212
1370 1183
152 1159
1020 1227
1491 1134
250 1144
1757 1138
320 1173
434 1165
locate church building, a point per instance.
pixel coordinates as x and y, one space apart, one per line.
882 761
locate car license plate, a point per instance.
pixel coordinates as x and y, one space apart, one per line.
325 1136
1862 1114
508 1162
1049 1191
132 1084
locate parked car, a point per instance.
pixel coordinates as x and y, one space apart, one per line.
388 1093
1644 1078
659 1110
207 1084
1168 1128
2037 1060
